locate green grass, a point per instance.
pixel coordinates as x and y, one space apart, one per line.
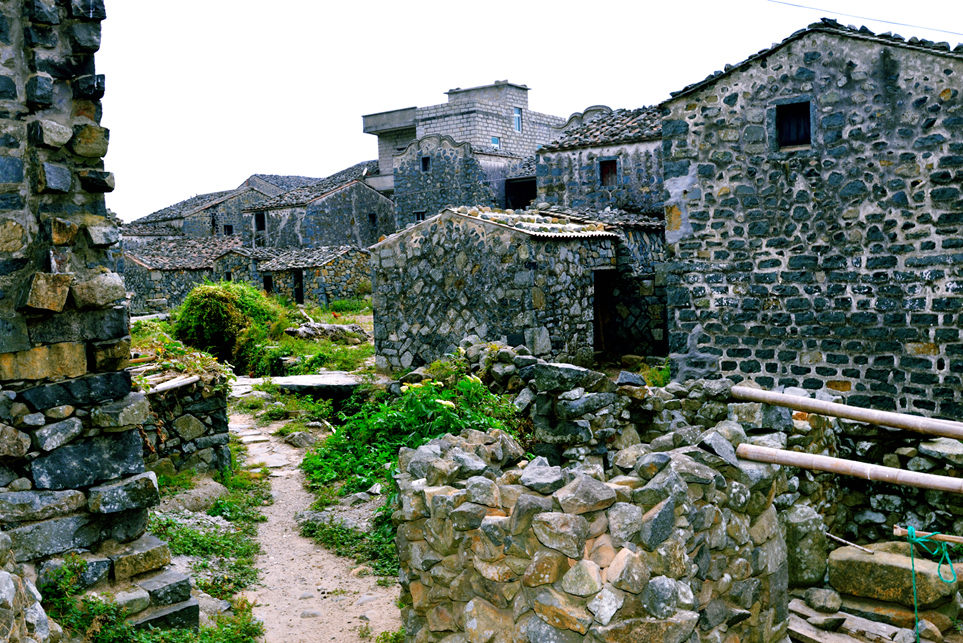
175 484
375 547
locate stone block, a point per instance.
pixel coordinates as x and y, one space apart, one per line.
82 391
11 169
90 141
97 569
585 494
124 526
13 335
90 87
97 181
146 554
563 532
75 326
47 292
674 629
49 133
806 545
85 36
63 232
189 427
53 436
129 410
53 536
54 178
12 236
65 359
13 443
40 91
183 615
166 587
102 236
44 12
90 461
137 492
108 356
93 10
25 506
133 601
99 290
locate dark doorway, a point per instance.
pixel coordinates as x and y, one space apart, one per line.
268 282
519 193
299 286
604 308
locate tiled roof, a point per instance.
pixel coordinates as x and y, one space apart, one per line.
303 195
182 208
295 258
523 169
545 223
183 254
828 25
622 219
258 254
151 230
617 126
287 182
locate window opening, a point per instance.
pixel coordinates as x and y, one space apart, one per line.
793 126
517 119
299 286
420 216
496 142
426 164
228 229
608 173
372 220
228 276
259 221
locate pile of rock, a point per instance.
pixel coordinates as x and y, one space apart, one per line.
22 617
339 333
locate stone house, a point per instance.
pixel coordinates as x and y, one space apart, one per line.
241 264
815 219
459 152
161 275
524 278
340 209
612 158
318 275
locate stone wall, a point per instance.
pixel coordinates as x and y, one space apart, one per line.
636 322
636 523
347 276
155 290
571 178
455 275
454 177
241 267
22 618
71 458
187 426
832 266
210 221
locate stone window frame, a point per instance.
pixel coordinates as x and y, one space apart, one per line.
772 133
609 159
260 221
228 229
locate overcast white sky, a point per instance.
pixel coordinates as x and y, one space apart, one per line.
203 93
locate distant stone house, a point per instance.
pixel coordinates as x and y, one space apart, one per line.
341 209
459 152
318 275
241 264
612 158
533 278
160 275
815 218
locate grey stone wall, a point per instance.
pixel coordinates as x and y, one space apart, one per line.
389 144
241 268
455 177
834 266
68 423
455 275
571 178
637 319
354 215
154 290
211 220
347 276
187 427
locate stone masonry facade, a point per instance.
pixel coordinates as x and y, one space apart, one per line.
835 264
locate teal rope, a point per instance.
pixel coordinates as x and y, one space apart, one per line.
938 547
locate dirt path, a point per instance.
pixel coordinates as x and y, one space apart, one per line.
306 592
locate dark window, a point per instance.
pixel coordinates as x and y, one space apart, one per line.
426 164
608 173
372 220
793 125
268 282
517 119
420 216
299 286
259 221
496 142
228 229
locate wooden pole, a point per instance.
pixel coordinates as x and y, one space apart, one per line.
899 531
846 542
844 467
932 426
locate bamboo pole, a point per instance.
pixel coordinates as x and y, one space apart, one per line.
844 467
846 542
932 426
899 531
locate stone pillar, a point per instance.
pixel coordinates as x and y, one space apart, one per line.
71 456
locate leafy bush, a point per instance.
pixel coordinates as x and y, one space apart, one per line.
657 375
349 305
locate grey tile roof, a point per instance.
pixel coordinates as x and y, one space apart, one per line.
183 254
612 128
295 258
151 230
182 208
258 254
286 182
523 169
828 25
303 195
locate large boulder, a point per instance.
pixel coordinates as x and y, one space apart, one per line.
806 544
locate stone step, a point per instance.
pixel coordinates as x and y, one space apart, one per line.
185 614
166 587
146 554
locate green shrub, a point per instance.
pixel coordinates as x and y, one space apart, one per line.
657 375
349 305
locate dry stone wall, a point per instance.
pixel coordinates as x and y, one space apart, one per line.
22 617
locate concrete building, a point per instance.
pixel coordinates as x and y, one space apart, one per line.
815 219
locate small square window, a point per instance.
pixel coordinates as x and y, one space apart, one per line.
426 164
608 173
259 221
228 229
268 282
496 142
517 119
793 126
420 216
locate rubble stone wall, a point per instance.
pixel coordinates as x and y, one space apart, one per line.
637 316
211 220
836 266
571 178
347 276
71 456
155 290
187 427
22 617
453 275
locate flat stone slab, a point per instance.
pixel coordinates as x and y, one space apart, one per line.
145 554
254 438
886 575
166 587
335 385
184 615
